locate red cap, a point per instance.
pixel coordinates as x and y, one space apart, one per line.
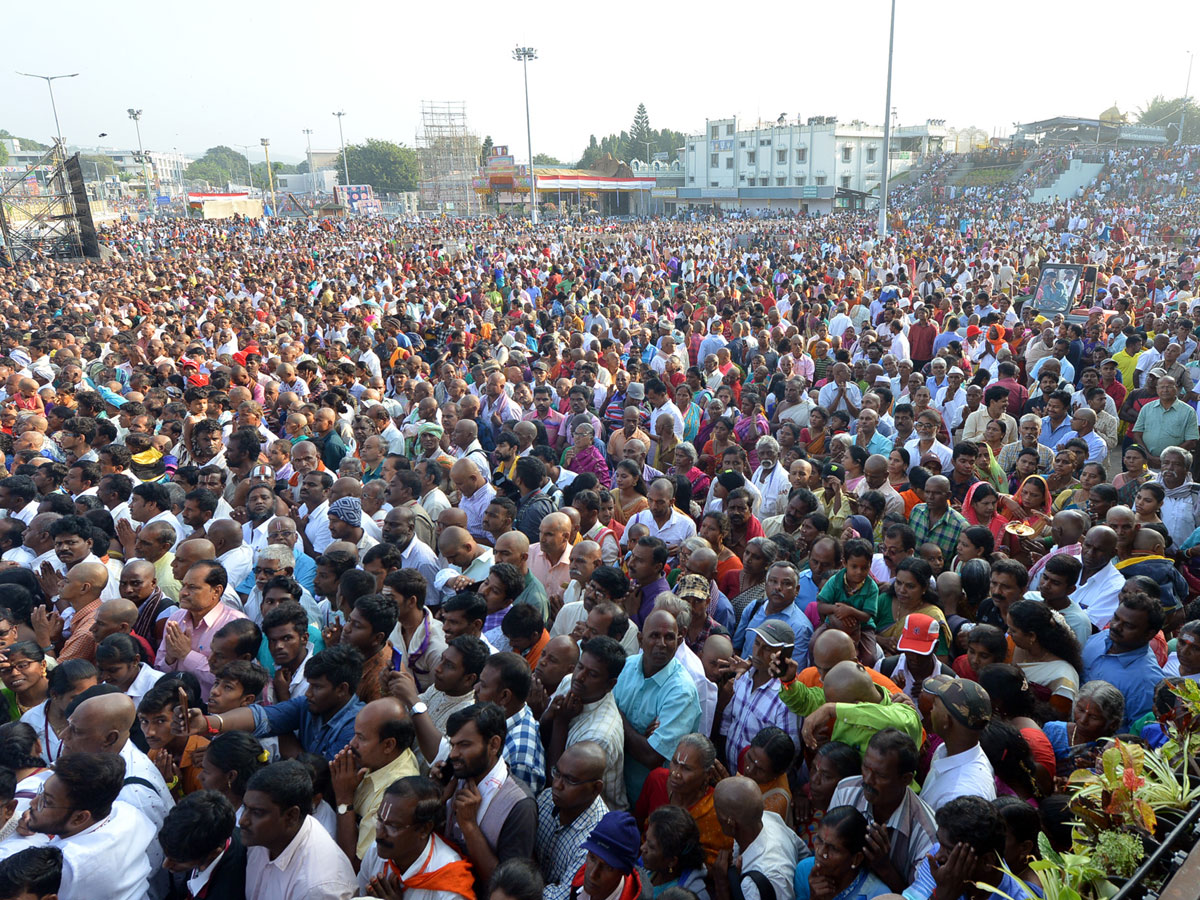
920 634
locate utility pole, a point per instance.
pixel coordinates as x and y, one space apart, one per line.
312 179
887 131
342 138
523 55
266 145
1186 89
136 115
50 79
249 171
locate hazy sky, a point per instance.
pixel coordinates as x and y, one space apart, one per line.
224 72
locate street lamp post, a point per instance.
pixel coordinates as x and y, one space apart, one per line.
50 79
249 171
136 115
308 155
887 130
342 139
266 145
1186 89
523 55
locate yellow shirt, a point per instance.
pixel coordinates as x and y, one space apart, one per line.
370 794
1125 365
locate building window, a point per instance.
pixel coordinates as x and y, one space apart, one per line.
781 157
743 178
716 132
764 142
713 184
870 155
820 180
780 181
715 160
800 181
801 154
845 154
729 162
741 143
692 148
750 157
729 129
845 181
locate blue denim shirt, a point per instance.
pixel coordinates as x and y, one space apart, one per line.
316 736
1135 673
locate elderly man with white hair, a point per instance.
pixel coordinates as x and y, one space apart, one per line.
770 478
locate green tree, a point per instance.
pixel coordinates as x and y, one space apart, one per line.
486 150
639 134
278 168
386 166
26 143
3 155
219 165
1164 113
545 159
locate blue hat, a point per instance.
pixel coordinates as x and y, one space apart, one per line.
616 840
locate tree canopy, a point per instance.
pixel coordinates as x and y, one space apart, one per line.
545 159
630 145
1164 113
386 166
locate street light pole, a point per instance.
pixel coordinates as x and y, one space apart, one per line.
136 115
308 154
50 79
523 55
249 171
342 139
266 145
1186 89
887 130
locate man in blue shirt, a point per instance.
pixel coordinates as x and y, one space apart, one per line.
1056 427
783 582
1122 655
654 687
322 720
824 559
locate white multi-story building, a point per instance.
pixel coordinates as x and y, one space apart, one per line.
803 167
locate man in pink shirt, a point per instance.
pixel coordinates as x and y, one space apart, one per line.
550 557
187 639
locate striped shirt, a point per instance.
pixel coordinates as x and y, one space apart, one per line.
749 711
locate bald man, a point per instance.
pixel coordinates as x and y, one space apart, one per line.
475 492
461 551
550 557
829 648
850 707
114 617
231 549
191 552
761 839
513 548
100 723
572 806
81 589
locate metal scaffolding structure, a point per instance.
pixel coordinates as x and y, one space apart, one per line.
39 216
449 157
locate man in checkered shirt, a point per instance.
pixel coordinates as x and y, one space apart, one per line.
568 810
755 703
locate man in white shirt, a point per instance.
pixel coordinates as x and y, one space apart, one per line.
770 478
661 405
103 841
289 855
314 513
662 519
1100 582
961 710
764 843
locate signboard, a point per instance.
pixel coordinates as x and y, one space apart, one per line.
666 192
661 156
359 197
161 200
500 162
718 146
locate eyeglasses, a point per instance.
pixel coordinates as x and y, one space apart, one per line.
39 801
259 570
556 774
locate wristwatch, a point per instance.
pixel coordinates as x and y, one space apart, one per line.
343 808
419 708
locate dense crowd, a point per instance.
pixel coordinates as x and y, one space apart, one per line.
746 558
